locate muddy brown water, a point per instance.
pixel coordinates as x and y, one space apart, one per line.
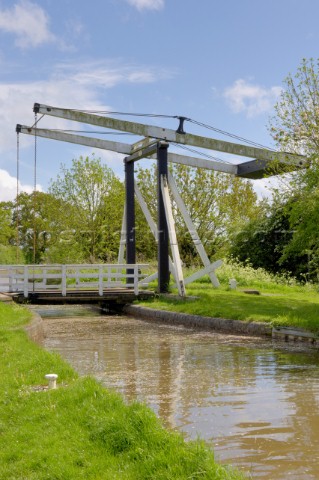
255 403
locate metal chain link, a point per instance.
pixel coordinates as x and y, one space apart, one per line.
35 188
17 199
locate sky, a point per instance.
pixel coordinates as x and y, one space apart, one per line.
222 63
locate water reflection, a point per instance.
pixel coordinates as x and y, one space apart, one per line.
255 405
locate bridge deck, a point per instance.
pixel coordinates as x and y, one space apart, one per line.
112 295
102 283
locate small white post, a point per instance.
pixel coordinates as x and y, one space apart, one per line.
232 283
52 380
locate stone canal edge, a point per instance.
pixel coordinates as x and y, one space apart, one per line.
224 325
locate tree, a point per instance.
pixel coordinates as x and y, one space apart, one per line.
38 218
296 129
93 198
216 202
6 229
264 241
9 253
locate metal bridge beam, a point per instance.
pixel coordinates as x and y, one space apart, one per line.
172 135
127 149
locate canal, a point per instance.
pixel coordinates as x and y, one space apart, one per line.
255 403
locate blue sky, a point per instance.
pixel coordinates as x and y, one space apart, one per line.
218 62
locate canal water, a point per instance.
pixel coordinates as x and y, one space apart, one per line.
255 403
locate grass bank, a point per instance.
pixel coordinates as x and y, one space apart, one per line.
281 302
81 430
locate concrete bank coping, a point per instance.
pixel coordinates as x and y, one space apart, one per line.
224 325
218 324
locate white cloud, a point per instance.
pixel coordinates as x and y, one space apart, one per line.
17 101
71 86
251 99
8 187
28 22
147 4
107 74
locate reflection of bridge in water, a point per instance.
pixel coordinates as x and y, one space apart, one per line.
91 283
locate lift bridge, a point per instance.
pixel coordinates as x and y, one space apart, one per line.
72 281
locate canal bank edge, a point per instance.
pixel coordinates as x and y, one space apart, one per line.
34 329
223 325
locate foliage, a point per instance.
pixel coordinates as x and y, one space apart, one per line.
94 197
296 129
304 220
39 223
217 204
7 231
248 276
9 253
265 243
81 430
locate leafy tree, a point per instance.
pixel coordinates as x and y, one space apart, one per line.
303 212
38 223
263 243
9 252
296 129
6 229
94 199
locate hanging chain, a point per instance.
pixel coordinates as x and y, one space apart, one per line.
17 199
34 188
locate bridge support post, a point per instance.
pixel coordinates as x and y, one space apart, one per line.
163 238
130 218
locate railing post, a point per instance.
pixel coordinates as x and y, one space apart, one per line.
26 282
63 280
101 280
44 278
136 279
10 273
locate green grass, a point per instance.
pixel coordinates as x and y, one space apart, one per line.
81 430
282 302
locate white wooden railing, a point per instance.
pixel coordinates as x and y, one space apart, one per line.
68 278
